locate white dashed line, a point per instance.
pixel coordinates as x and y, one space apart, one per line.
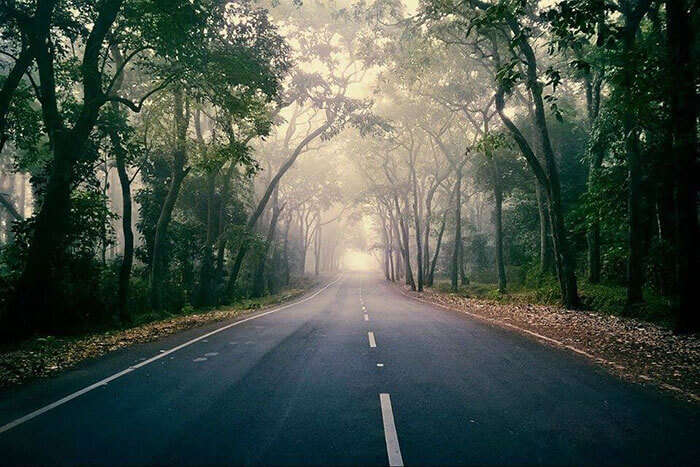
372 342
366 317
392 440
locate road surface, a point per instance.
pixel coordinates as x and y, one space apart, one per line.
355 374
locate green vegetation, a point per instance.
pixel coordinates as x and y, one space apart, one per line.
603 298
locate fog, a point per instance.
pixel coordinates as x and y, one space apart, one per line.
235 151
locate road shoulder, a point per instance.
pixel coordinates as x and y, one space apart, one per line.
48 356
637 351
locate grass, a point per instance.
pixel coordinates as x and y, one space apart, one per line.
602 298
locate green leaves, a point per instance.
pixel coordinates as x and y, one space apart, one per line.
509 75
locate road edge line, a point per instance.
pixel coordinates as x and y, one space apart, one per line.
104 381
555 342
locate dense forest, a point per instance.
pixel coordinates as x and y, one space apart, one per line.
161 155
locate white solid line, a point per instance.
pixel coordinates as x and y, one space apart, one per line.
392 440
366 317
372 342
160 355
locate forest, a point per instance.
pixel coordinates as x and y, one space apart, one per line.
159 156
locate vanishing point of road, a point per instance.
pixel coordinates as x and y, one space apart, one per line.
354 373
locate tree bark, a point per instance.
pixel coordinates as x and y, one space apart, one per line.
684 114
317 247
546 257
416 215
454 272
498 221
635 267
549 176
259 277
205 294
158 261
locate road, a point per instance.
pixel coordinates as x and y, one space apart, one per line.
355 374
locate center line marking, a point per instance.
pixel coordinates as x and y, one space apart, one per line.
372 342
366 317
392 440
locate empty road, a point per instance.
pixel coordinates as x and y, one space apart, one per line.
354 374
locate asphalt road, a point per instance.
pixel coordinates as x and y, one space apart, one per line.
304 385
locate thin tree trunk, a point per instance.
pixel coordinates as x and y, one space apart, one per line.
498 220
158 261
317 247
416 215
546 256
458 231
259 277
206 272
285 251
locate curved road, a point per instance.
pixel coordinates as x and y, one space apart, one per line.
355 374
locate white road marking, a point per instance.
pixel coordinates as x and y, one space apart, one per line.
200 359
145 362
372 342
392 440
211 354
366 317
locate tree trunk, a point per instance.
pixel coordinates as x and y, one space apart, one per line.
416 215
205 294
159 262
547 176
564 259
127 233
635 267
458 231
498 221
285 252
37 300
404 240
259 277
546 256
684 117
317 247
438 243
596 159
243 248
